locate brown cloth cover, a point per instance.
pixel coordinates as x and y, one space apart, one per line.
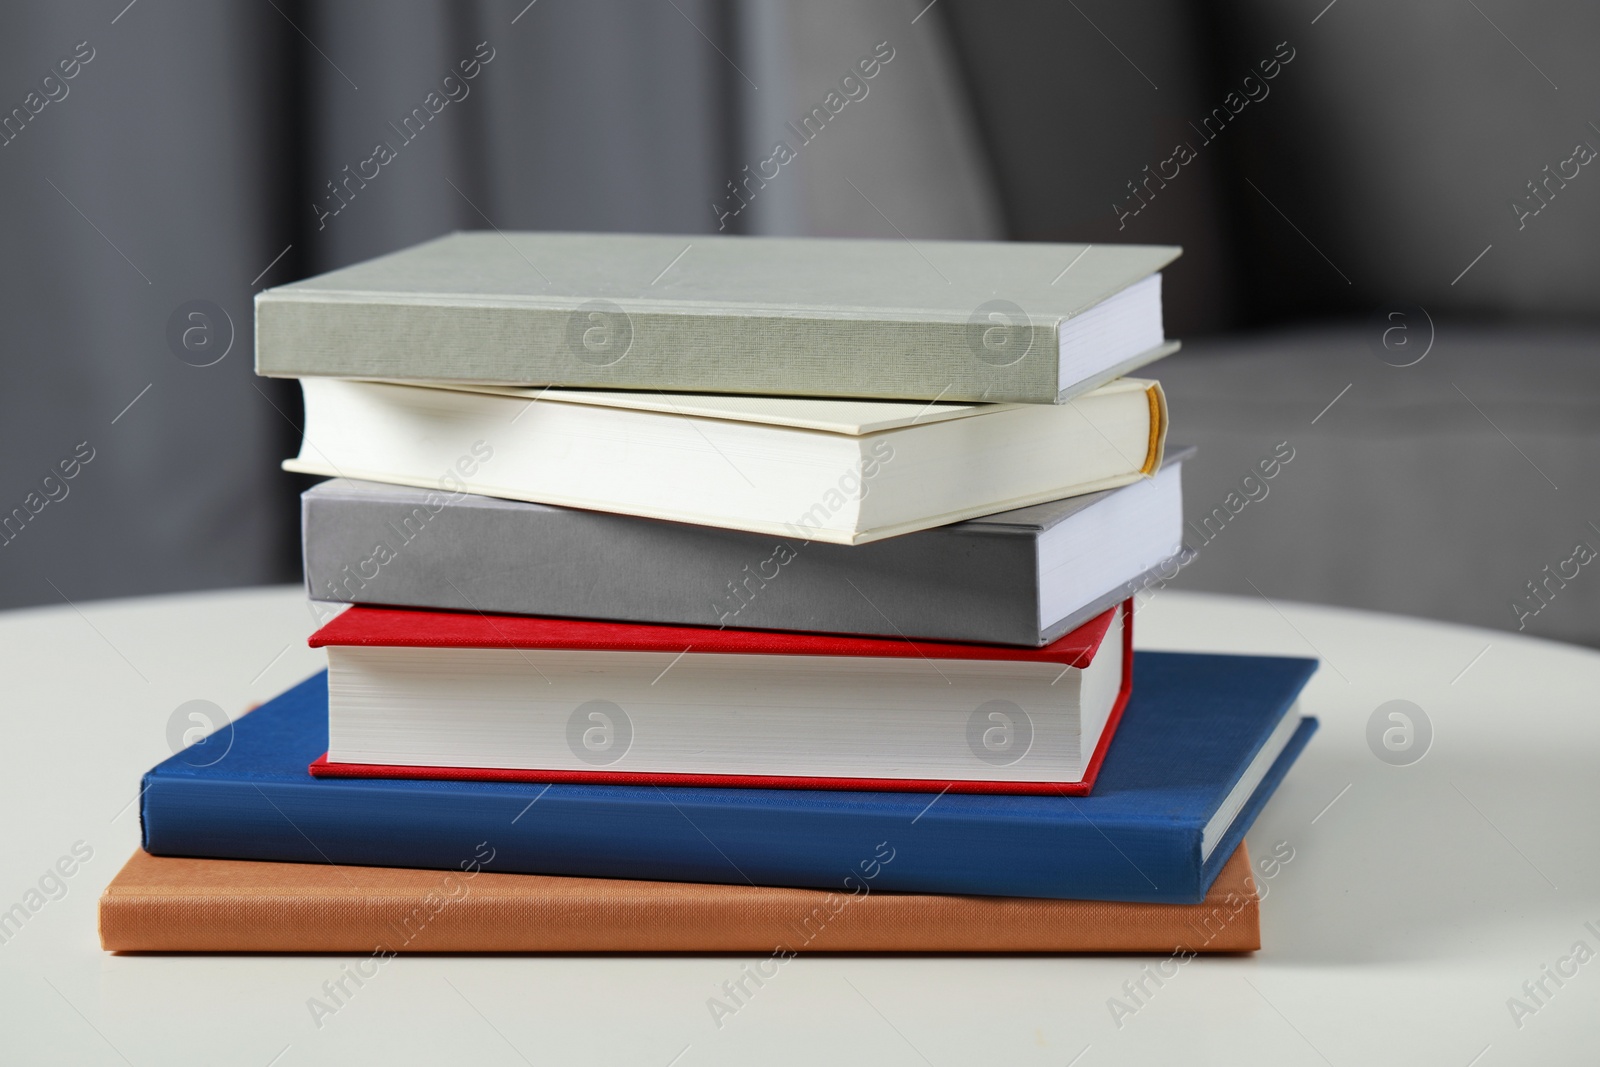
171 904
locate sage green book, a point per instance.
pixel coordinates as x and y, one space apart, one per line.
922 320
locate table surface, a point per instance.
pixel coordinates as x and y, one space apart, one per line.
1419 900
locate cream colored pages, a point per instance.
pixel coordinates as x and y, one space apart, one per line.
854 417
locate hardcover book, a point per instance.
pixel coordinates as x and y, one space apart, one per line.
171 904
1021 577
424 694
1204 742
839 471
955 320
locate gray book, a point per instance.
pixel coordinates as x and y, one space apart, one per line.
1022 577
952 320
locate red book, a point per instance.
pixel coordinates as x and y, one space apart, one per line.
422 694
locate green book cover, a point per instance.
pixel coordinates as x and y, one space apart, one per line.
953 320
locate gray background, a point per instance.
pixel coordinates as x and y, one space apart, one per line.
184 161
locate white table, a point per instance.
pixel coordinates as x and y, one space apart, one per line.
1419 899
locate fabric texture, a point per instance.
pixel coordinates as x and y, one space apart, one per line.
169 904
1459 487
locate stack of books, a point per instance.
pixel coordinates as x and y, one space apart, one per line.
726 594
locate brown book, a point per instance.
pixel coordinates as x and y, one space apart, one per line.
170 904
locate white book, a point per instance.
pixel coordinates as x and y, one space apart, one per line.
838 471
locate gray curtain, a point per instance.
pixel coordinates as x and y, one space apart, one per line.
155 177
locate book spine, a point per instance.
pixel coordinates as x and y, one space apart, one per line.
676 836
798 354
392 547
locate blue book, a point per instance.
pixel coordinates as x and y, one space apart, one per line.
1203 744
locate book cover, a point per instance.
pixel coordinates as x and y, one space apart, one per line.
370 627
974 581
952 320
1189 734
172 904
